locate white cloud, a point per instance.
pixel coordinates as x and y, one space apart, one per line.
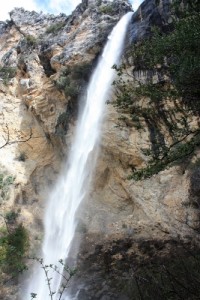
10 4
136 4
65 6
54 6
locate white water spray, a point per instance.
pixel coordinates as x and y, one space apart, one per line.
72 185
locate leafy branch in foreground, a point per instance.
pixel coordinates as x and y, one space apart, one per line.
66 274
175 154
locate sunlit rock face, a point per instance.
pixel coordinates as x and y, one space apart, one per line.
81 35
36 46
37 118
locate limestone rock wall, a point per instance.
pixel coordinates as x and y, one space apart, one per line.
36 47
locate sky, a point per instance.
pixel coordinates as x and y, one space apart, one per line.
47 6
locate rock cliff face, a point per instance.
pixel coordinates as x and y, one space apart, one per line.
34 47
118 213
150 13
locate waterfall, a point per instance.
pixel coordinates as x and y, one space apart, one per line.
59 223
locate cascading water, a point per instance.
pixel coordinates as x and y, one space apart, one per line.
72 185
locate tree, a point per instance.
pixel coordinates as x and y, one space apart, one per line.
173 99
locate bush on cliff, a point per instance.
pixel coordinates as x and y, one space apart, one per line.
7 73
55 28
173 99
13 247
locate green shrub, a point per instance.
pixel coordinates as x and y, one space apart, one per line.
71 79
7 73
13 247
108 10
54 28
17 245
71 90
99 2
31 40
5 182
62 82
11 217
63 123
171 101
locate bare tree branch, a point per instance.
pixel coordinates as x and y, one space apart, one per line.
8 138
8 142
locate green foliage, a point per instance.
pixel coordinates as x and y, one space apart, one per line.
63 123
31 40
17 245
69 87
71 79
106 9
13 247
7 73
11 217
62 81
174 98
184 8
63 118
13 238
178 53
99 2
72 90
66 277
55 28
5 182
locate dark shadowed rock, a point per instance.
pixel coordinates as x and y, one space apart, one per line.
2 27
195 188
150 13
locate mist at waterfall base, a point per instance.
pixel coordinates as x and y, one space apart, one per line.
72 185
